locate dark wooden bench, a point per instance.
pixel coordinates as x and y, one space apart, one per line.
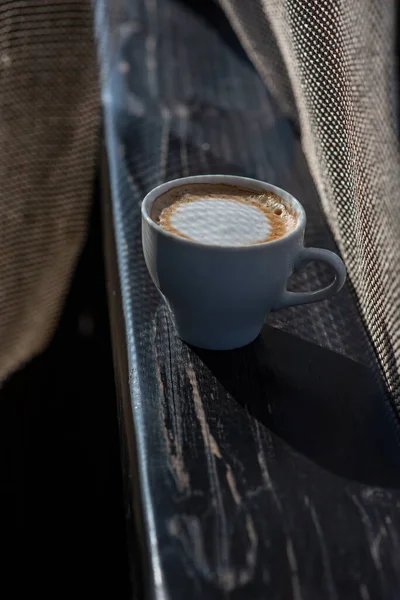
267 472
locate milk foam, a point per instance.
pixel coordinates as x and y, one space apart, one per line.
221 221
224 215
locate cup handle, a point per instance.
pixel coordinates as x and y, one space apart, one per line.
326 256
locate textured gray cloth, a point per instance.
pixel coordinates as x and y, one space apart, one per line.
48 127
339 60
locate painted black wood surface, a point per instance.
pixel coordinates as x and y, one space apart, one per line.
267 472
271 471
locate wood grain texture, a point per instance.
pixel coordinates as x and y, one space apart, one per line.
271 471
267 472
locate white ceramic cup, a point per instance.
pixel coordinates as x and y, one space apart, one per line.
220 296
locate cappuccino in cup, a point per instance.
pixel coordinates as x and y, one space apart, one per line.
221 250
223 215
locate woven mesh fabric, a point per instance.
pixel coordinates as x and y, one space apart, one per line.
339 60
48 126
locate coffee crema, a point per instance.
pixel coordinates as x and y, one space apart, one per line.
224 215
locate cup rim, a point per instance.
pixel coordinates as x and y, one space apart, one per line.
239 181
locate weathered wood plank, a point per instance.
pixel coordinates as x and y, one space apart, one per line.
269 472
